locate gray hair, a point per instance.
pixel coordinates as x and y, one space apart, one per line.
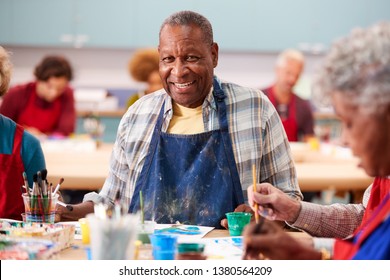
191 18
289 54
5 71
358 66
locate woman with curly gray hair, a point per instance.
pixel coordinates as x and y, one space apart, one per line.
355 78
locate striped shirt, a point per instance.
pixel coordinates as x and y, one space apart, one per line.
337 220
255 130
331 221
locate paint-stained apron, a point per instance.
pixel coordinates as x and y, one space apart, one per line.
191 179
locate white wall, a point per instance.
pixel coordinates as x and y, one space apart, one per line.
107 68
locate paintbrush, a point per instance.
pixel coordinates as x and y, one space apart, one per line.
257 218
26 185
141 201
58 186
67 206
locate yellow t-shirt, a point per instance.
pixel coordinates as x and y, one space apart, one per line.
186 120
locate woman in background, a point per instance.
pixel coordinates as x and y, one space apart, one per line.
45 106
19 152
143 67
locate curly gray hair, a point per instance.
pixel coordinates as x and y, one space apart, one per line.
5 71
358 66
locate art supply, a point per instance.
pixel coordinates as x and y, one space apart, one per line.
180 229
190 251
257 218
85 232
39 209
256 230
237 221
141 201
164 246
45 187
112 239
69 207
58 186
119 210
145 229
258 227
26 185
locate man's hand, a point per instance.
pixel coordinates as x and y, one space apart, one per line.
240 208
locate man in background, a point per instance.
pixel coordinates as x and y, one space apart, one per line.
295 112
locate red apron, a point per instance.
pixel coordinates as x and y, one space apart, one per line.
44 118
373 216
290 123
11 174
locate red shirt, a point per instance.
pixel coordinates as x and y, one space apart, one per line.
300 119
22 105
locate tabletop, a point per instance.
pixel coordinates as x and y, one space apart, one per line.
316 170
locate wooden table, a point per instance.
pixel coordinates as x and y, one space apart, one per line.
315 171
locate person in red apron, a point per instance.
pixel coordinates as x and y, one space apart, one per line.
355 78
45 106
19 152
295 112
11 171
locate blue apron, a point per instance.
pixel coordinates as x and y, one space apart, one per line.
191 179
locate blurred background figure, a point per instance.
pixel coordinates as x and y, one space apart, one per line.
45 106
295 112
19 152
143 67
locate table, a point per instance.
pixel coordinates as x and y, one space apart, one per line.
316 170
78 252
81 170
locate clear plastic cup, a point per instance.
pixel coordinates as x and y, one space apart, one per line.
164 246
144 230
112 239
237 221
39 209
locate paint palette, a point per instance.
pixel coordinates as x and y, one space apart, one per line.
180 229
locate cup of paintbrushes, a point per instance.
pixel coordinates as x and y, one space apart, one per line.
39 209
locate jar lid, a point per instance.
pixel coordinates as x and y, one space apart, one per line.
190 247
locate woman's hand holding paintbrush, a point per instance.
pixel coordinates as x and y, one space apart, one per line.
273 204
